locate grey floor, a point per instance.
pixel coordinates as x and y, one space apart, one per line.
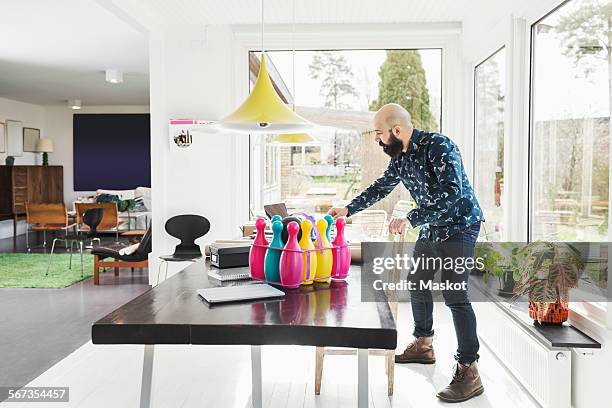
36 242
39 327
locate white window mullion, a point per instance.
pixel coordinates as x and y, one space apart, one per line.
516 145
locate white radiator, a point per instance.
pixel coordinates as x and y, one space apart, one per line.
544 372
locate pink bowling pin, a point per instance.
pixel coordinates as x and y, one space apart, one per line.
341 252
258 251
291 262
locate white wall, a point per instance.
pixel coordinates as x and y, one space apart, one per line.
55 123
31 116
191 77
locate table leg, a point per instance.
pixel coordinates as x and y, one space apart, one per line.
362 378
390 359
320 354
256 387
147 376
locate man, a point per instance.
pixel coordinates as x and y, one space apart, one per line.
430 167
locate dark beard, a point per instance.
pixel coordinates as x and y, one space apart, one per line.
394 147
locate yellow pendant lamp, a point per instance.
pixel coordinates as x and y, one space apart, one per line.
264 111
294 138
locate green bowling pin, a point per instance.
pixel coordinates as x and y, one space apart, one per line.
271 262
330 222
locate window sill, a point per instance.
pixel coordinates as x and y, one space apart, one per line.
569 335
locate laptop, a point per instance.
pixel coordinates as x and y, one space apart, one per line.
276 209
226 294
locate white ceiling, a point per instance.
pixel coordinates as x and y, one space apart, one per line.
307 11
56 50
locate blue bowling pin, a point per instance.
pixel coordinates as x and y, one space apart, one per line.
273 255
276 218
330 222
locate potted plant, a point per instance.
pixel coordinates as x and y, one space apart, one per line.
547 270
500 261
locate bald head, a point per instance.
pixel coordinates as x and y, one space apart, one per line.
393 120
393 114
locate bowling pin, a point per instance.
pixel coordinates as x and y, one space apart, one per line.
324 255
276 218
291 259
341 252
330 222
273 255
286 222
309 256
258 251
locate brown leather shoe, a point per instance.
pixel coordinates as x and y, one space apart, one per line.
466 384
419 351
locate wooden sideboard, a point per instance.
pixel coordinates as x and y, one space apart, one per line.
28 184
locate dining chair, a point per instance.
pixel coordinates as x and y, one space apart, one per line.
398 244
110 219
402 208
91 218
372 222
46 217
187 228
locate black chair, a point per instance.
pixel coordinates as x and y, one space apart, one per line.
91 218
138 259
187 228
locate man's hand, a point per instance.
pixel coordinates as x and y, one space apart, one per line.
397 226
338 212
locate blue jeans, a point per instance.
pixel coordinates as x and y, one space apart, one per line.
464 319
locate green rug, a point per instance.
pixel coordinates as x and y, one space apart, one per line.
28 270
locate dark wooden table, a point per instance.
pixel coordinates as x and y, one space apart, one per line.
318 315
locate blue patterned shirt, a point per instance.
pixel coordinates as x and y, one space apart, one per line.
433 173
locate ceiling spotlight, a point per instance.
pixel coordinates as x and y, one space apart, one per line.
114 76
74 103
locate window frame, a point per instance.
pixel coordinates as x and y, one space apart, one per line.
444 35
590 315
475 118
441 118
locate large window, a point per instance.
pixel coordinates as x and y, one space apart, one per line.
570 125
490 91
340 90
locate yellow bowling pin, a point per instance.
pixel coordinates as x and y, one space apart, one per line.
306 244
324 258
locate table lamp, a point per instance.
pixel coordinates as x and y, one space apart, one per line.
44 146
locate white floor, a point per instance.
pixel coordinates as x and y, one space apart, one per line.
220 376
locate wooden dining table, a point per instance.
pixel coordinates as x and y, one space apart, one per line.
323 314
